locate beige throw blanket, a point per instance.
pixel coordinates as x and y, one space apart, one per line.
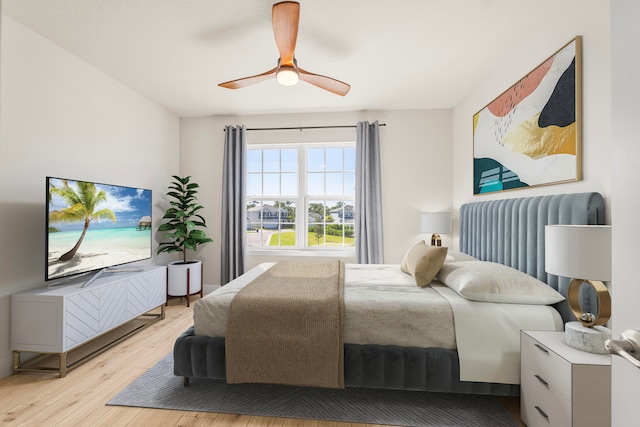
286 327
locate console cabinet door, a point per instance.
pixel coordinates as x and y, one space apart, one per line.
94 311
145 292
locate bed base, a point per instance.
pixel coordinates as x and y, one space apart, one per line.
367 366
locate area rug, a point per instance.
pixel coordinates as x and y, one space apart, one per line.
159 388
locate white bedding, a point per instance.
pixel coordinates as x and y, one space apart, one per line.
488 335
384 306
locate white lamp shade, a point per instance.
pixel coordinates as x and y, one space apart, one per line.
578 251
436 222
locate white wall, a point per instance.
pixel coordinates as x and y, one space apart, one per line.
415 167
590 19
61 117
625 202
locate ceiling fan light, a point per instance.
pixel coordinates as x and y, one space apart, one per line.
287 76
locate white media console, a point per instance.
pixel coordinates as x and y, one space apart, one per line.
56 320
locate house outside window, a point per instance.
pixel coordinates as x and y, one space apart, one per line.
301 196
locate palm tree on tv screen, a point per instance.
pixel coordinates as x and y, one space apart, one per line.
81 206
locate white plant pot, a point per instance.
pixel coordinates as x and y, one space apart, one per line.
177 278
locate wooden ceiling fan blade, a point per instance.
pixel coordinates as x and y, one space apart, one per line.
251 80
285 18
324 82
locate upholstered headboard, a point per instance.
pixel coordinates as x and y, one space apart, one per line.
511 232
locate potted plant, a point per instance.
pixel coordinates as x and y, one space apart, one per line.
184 277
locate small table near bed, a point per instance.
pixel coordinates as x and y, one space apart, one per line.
562 386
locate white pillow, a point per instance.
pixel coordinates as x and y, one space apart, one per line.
456 256
493 282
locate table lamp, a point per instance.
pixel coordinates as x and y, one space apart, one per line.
436 223
582 253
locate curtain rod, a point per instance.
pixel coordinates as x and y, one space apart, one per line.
300 128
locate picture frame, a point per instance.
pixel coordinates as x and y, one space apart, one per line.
531 134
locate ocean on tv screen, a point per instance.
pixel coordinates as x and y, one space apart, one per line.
93 226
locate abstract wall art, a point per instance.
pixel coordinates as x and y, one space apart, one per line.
530 135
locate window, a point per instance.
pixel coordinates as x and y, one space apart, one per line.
296 187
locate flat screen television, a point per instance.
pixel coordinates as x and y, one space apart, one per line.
93 226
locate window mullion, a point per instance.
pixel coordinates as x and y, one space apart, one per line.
302 219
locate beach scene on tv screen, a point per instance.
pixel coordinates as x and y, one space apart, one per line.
93 226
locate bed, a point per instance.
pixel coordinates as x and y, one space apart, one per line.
504 232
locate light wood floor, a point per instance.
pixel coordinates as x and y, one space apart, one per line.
43 399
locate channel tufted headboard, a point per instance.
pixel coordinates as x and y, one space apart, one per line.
511 232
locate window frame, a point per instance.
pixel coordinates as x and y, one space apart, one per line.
301 200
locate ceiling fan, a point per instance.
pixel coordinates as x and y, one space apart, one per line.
285 18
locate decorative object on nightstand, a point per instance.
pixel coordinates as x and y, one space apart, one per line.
436 223
583 253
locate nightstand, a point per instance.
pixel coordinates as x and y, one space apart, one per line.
562 386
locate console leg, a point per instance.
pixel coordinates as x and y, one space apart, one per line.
16 362
63 365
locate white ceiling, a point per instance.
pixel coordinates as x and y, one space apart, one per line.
402 54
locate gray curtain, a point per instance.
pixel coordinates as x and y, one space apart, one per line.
234 188
368 214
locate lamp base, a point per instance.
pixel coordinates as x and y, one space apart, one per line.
586 339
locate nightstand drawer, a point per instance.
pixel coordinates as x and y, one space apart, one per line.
540 405
547 365
562 386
